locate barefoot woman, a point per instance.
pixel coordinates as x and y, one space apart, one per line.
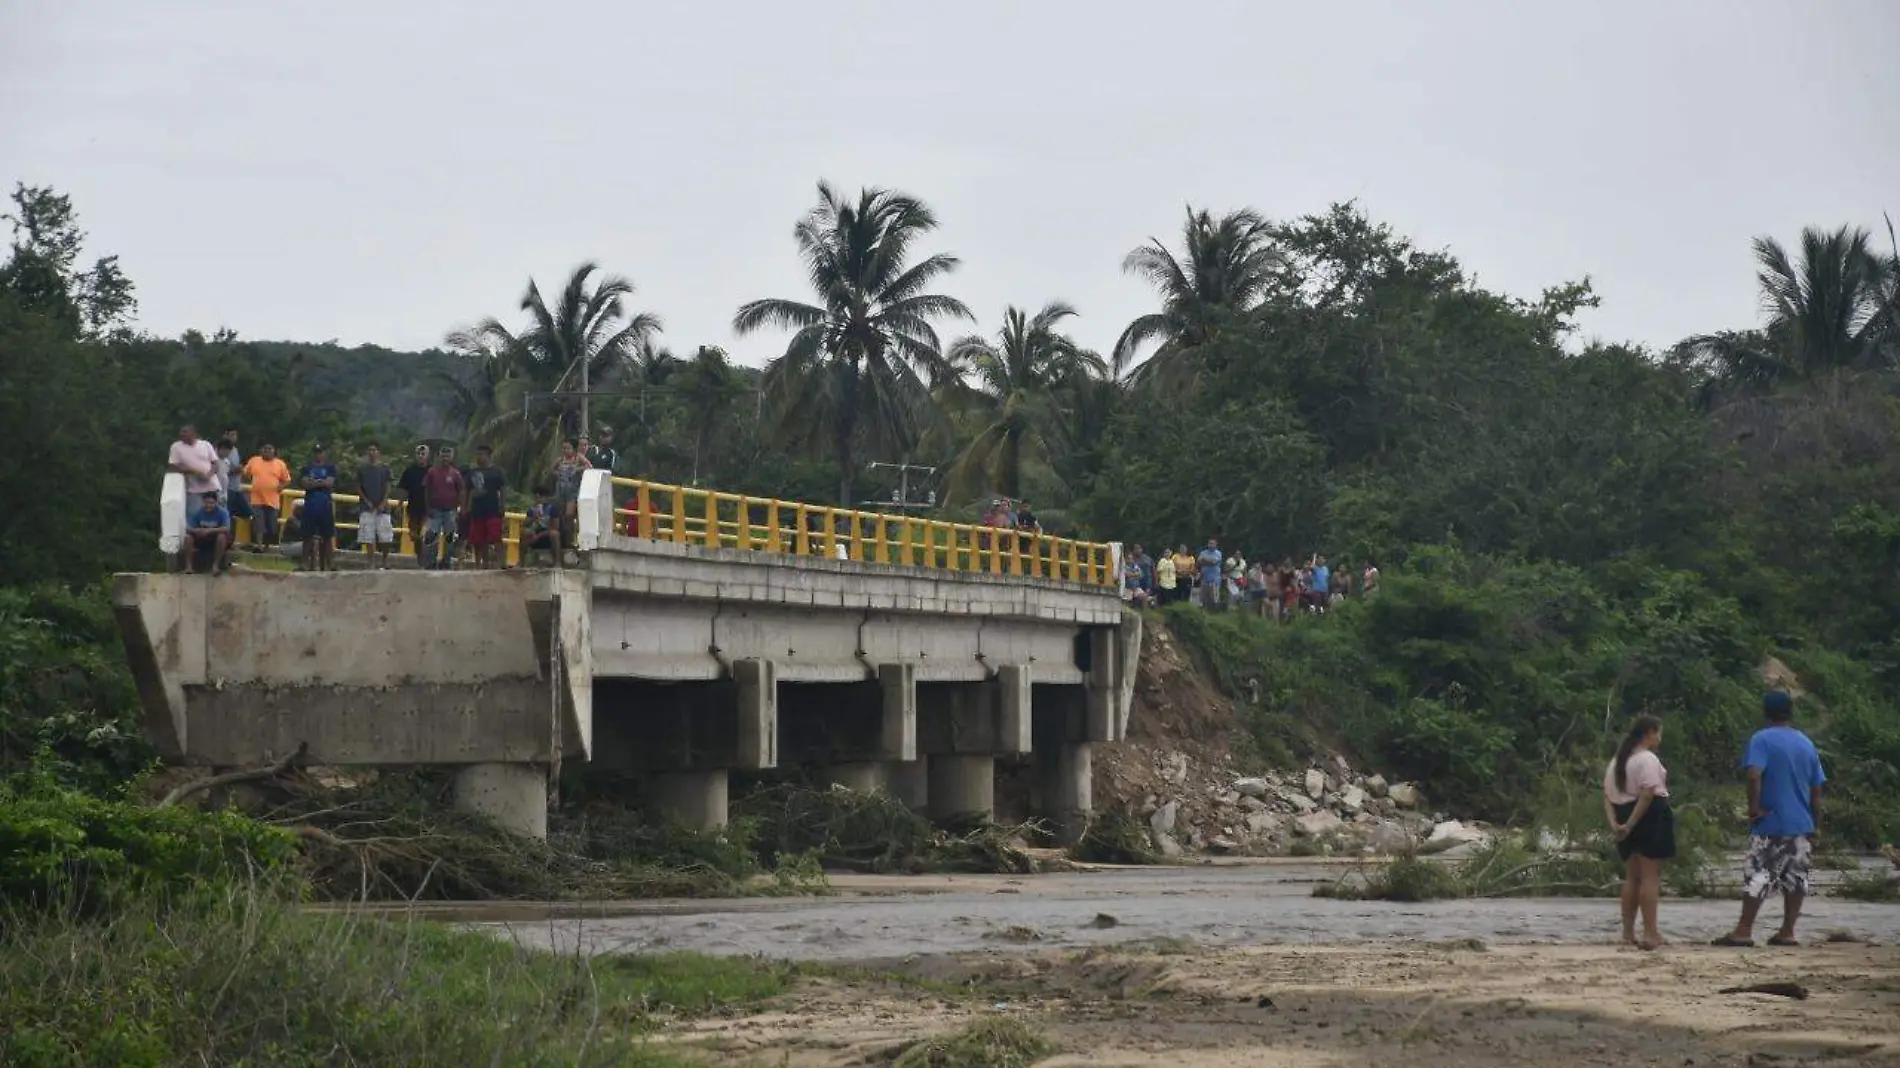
1636 800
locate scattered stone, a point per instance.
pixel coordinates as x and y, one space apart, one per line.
1299 801
1265 1002
1176 768
1376 786
1317 824
1222 844
1255 788
1315 783
1103 921
1166 845
1016 933
1261 822
1162 822
1252 804
1404 795
1848 937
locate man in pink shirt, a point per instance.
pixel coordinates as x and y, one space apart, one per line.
193 457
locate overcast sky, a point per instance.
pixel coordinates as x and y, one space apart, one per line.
384 172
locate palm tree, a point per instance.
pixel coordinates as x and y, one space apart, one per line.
1023 383
586 332
1829 310
850 375
1226 267
708 383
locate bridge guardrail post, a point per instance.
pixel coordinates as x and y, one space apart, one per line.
596 509
171 514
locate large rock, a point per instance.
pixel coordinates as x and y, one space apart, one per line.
1265 822
1352 799
1175 767
1166 844
1389 839
1455 832
1251 787
1404 795
1376 786
1315 783
1252 804
1299 801
1221 844
1317 824
1162 822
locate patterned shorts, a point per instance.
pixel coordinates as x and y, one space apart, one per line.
1777 864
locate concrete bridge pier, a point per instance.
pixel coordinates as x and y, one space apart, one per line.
686 736
513 796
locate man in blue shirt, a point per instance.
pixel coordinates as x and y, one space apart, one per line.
1209 561
318 482
1784 807
207 537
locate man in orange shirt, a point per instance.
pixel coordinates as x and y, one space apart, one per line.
268 476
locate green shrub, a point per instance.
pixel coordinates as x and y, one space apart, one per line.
68 708
246 980
992 1042
62 847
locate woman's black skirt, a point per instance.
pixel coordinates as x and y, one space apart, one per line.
1654 837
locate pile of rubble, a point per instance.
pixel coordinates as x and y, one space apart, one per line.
1323 810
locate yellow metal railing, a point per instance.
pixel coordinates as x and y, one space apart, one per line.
398 516
710 519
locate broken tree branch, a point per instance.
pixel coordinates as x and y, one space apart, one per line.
250 775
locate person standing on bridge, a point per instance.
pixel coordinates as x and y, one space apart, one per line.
485 483
567 487
375 533
415 506
193 457
318 481
442 491
268 475
602 456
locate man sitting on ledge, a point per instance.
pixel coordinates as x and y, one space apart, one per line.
207 537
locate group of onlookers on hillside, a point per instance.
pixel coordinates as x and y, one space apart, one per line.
452 512
1216 580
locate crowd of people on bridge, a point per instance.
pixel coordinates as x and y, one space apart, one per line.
454 513
1218 580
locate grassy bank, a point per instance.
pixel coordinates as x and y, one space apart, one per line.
247 979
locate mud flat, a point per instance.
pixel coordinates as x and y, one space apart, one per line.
1250 905
1216 967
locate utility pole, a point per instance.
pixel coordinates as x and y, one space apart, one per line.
903 483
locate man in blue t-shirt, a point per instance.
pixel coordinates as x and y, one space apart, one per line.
318 482
1784 807
1209 562
207 537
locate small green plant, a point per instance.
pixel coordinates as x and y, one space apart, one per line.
1115 837
992 1042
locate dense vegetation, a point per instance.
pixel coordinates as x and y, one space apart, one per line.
1570 534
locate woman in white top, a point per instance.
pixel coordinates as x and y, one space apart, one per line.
1636 801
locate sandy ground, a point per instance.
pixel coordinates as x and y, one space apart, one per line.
1413 1005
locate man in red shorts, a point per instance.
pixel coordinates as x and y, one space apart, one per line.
484 508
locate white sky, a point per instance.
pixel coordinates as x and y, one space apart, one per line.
385 172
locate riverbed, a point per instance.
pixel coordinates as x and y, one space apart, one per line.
893 917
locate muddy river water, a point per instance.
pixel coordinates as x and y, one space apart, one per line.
874 918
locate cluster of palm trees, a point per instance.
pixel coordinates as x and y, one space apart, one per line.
865 371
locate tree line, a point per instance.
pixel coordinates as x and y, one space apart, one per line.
1667 519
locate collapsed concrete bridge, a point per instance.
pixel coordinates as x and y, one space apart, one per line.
679 649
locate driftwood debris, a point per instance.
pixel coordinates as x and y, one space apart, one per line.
1780 990
269 771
